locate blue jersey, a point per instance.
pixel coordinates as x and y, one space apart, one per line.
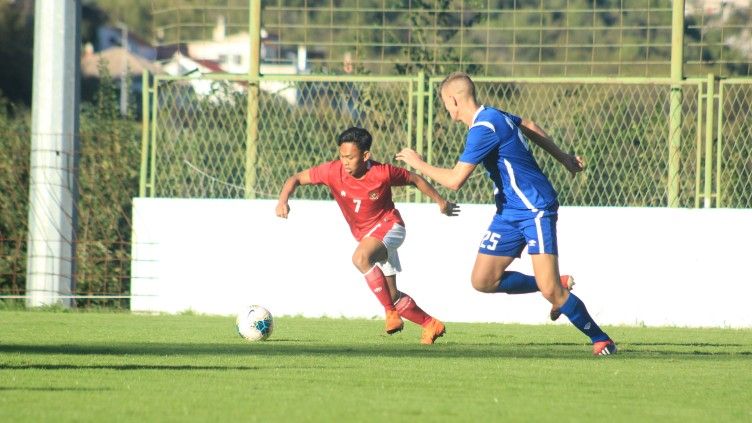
496 140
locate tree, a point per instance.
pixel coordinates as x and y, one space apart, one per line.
16 50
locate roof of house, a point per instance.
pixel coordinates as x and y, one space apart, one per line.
210 64
118 60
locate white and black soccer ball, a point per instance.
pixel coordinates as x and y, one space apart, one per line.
254 323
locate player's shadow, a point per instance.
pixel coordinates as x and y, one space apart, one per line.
51 389
685 344
442 349
125 367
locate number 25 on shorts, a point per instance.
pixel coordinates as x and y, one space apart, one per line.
490 239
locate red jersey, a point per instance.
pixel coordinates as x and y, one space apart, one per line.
367 201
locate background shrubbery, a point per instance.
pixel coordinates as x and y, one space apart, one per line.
109 155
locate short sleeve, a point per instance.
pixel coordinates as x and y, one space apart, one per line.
320 174
398 176
481 140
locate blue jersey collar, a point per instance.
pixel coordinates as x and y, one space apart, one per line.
477 112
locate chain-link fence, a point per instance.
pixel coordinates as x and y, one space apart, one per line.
734 145
200 143
621 127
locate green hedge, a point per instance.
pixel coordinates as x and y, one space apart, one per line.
109 155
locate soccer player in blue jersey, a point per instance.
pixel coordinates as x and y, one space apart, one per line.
526 203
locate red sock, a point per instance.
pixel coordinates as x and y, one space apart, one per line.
377 283
409 310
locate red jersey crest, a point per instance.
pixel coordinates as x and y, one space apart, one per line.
373 195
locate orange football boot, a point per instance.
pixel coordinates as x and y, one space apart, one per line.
431 331
394 322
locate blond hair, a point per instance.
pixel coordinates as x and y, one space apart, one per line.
464 85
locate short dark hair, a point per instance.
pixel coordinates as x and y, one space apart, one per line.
358 136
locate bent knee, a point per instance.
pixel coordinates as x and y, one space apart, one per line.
484 285
361 261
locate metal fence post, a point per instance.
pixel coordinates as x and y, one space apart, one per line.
253 97
719 149
420 118
429 135
144 132
698 143
709 141
675 111
153 137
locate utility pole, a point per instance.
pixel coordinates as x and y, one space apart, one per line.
53 179
124 74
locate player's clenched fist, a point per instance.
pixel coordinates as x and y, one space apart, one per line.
574 163
283 209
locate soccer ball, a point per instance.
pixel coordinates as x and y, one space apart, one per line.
254 323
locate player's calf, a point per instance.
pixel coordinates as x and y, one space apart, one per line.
567 281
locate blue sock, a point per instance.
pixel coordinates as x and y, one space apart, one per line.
576 312
517 283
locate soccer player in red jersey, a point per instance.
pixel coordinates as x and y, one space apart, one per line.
362 188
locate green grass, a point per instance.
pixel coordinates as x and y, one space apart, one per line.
92 366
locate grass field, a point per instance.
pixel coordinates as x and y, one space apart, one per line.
99 366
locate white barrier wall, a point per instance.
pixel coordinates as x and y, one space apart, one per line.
651 266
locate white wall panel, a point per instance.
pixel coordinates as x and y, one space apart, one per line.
652 266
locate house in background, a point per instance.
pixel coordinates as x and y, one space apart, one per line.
232 53
194 69
119 63
123 66
109 36
127 53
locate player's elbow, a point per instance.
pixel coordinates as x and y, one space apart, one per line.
456 181
456 178
455 184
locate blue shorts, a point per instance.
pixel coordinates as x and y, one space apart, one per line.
511 230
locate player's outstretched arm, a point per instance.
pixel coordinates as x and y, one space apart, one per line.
537 135
451 178
445 207
301 178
